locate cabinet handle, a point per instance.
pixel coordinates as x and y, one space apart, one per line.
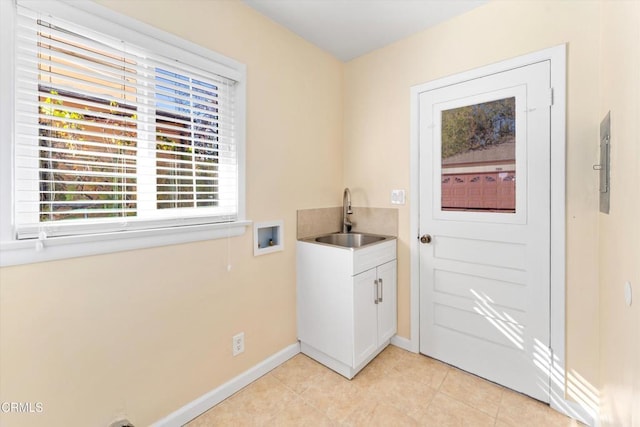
381 290
375 283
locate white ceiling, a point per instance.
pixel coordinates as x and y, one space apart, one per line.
350 28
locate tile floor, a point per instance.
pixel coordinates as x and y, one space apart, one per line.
397 388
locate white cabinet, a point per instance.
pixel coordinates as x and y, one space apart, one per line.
375 320
346 303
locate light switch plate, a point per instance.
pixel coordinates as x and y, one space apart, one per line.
397 197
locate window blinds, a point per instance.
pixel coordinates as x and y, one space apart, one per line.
110 136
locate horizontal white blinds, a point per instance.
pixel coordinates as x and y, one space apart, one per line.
111 137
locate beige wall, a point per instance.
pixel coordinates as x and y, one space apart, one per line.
377 117
145 332
620 230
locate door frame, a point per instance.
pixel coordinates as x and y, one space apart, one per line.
557 57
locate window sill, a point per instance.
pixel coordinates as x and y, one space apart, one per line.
19 252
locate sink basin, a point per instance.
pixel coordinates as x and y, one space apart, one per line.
349 240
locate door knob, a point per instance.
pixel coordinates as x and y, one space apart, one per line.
426 238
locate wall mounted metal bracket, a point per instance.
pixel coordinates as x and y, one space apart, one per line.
605 163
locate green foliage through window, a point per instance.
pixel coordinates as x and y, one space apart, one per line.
477 127
87 157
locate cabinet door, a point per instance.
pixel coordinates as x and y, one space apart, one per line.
387 308
365 326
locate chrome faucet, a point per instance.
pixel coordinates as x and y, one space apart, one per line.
346 210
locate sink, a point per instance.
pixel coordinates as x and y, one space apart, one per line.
349 240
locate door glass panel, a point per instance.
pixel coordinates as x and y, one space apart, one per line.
479 157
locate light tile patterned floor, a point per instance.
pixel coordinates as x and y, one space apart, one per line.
397 388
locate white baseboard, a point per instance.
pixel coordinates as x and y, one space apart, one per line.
403 343
204 403
575 410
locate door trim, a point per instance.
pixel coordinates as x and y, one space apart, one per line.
557 57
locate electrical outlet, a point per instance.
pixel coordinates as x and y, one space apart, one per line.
238 344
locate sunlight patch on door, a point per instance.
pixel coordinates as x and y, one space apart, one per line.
504 323
581 391
479 157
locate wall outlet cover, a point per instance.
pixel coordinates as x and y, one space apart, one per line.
238 343
397 197
628 294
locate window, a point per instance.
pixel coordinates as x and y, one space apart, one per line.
118 130
479 152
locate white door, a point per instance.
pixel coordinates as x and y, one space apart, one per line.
365 297
387 305
485 222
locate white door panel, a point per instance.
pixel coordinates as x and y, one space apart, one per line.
503 293
464 321
485 202
365 315
387 307
480 251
